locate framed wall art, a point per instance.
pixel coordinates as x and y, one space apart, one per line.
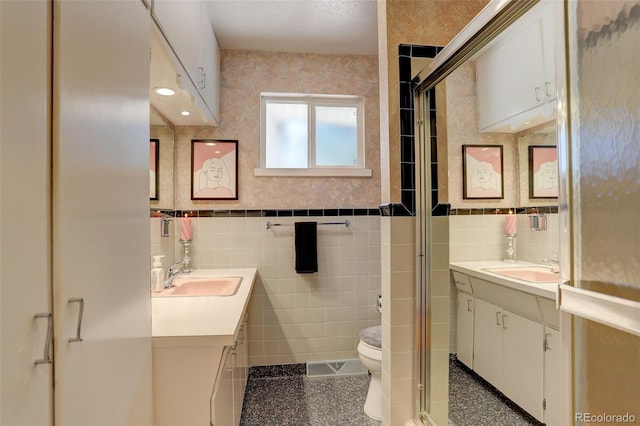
543 171
154 156
214 169
482 172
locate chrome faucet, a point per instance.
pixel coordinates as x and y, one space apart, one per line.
174 271
554 262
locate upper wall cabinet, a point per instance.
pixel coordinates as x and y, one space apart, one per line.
515 76
186 26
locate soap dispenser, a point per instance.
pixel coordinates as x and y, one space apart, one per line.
157 274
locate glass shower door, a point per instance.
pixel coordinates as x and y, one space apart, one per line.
603 193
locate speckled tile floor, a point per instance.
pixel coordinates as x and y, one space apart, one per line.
284 395
474 402
278 398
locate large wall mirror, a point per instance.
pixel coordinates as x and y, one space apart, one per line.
503 95
494 135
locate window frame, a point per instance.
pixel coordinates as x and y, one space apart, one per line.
312 101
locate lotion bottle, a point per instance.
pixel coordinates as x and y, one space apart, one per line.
157 274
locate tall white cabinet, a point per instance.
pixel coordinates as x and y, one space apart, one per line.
74 223
25 271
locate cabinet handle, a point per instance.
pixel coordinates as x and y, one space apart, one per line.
241 334
546 346
504 324
46 357
547 89
538 94
497 318
468 305
204 80
78 337
200 78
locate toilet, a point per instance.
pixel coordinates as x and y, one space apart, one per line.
370 353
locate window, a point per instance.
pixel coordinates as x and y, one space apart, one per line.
312 135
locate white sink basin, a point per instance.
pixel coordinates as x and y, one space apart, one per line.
534 274
202 286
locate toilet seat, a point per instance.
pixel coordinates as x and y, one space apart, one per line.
372 336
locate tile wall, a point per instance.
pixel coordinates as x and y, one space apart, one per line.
398 317
296 318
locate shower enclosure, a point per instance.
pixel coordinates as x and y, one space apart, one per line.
598 116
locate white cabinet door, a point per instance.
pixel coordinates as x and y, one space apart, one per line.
552 377
510 75
101 213
516 76
222 404
464 329
179 20
487 342
523 362
25 164
210 64
240 375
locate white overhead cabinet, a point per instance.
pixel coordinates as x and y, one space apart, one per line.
515 76
186 26
75 305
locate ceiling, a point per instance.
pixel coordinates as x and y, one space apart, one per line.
309 26
304 26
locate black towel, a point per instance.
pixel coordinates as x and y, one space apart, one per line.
306 247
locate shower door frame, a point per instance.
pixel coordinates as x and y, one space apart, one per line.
491 21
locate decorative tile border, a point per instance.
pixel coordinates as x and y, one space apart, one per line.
267 213
517 210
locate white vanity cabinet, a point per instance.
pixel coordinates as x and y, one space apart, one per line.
488 346
228 393
240 372
552 374
515 77
223 411
514 342
464 329
508 353
186 26
200 355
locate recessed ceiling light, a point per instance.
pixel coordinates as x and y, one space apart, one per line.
164 91
186 113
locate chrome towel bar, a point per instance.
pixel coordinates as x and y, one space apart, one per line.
346 223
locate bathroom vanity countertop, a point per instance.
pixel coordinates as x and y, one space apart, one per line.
198 320
477 269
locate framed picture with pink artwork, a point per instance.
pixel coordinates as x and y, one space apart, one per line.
482 172
214 169
543 171
154 150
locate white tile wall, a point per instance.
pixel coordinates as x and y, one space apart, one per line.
298 317
398 318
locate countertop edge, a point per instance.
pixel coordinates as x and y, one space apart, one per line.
475 269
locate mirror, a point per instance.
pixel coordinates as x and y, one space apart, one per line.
162 130
503 95
544 136
161 221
